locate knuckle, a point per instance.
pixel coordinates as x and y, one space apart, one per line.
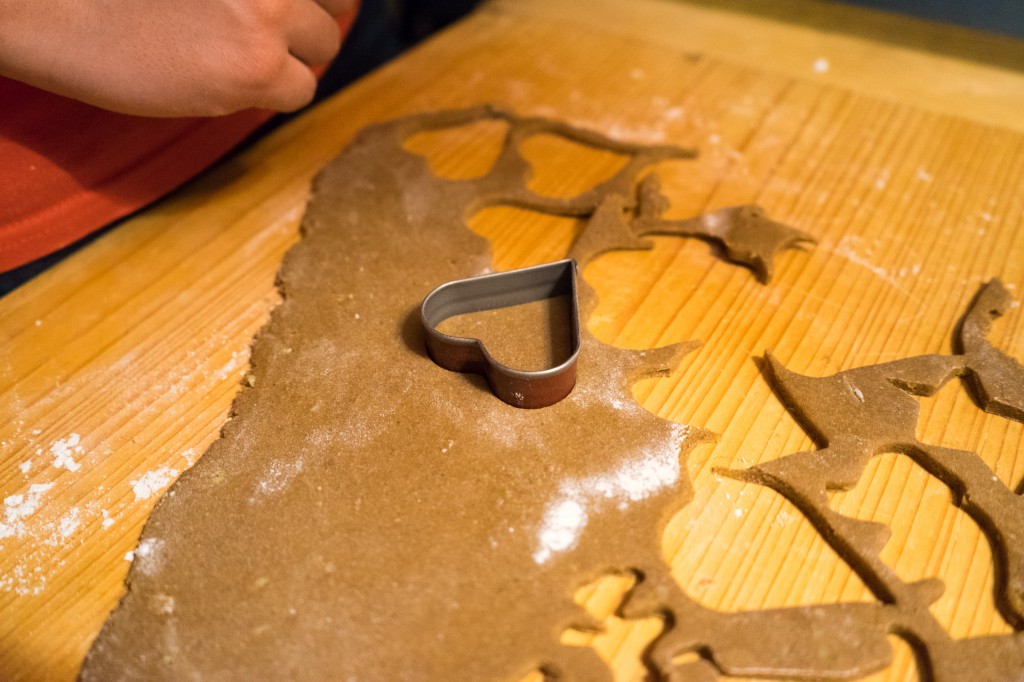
248 74
268 12
260 66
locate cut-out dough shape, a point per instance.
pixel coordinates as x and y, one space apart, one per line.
859 413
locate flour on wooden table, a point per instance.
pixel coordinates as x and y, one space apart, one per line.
17 508
152 482
63 452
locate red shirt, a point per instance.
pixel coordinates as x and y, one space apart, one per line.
68 168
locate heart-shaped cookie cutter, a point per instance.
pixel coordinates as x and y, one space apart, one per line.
518 388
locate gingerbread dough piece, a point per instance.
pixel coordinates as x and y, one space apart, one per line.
368 515
862 412
994 376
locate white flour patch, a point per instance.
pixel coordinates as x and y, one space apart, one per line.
63 452
190 456
232 366
820 65
25 466
712 221
855 258
563 524
914 269
107 521
24 581
153 482
635 479
620 404
148 555
674 113
17 508
608 392
30 517
845 250
69 523
277 477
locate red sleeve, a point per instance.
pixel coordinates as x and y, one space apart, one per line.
68 168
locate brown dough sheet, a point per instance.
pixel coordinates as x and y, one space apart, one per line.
367 515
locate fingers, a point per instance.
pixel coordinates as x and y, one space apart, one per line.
293 89
307 35
312 33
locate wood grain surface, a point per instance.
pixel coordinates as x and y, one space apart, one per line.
118 367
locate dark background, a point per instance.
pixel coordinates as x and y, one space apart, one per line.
419 18
997 16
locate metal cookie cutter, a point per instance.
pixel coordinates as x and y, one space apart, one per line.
500 290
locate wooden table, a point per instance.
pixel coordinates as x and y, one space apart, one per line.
906 163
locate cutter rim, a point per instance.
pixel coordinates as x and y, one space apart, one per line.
539 388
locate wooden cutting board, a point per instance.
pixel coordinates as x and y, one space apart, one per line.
906 163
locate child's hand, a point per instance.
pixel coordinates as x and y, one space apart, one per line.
171 57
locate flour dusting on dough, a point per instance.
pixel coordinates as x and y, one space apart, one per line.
633 480
563 524
277 477
368 413
608 393
148 555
